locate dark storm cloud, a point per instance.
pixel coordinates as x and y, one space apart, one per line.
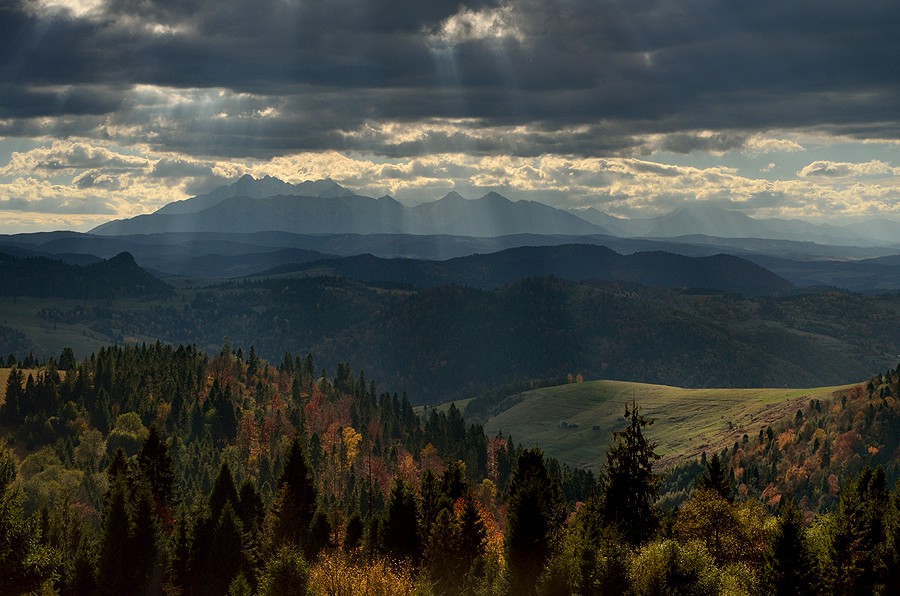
616 69
36 101
689 143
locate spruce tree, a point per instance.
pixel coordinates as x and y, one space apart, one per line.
296 502
716 478
631 486
793 568
535 513
117 573
227 556
859 544
223 492
155 465
400 535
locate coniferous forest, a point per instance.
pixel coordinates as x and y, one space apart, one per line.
161 470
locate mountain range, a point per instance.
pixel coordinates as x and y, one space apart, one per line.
246 206
267 226
324 207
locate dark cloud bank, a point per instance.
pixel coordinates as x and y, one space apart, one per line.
610 71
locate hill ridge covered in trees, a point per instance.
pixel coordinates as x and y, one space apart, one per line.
573 262
162 469
118 277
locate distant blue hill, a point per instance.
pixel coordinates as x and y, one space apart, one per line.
575 262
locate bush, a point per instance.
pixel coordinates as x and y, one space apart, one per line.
286 574
668 567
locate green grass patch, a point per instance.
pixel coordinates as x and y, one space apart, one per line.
574 423
21 313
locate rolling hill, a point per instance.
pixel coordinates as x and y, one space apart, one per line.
117 277
574 422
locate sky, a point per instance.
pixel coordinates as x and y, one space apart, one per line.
112 108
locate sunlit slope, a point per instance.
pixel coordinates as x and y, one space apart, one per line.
4 378
687 421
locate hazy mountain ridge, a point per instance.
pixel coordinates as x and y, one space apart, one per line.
243 229
714 221
325 207
248 186
248 206
575 262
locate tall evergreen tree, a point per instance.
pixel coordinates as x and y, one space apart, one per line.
793 568
11 408
148 556
285 574
859 543
117 573
400 534
155 465
535 513
227 556
716 478
631 484
223 492
296 502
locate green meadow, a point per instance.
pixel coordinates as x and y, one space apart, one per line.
574 422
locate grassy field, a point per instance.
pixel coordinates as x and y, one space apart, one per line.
687 421
21 314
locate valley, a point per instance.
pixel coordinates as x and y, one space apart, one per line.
379 393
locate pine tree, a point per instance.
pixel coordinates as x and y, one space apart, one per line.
792 568
11 409
223 492
400 534
117 574
859 542
716 478
155 465
286 574
296 502
535 514
631 485
227 557
145 541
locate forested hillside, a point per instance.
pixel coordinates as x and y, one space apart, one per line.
452 342
160 470
118 277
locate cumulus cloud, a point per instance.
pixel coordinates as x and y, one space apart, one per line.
830 169
760 143
69 156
